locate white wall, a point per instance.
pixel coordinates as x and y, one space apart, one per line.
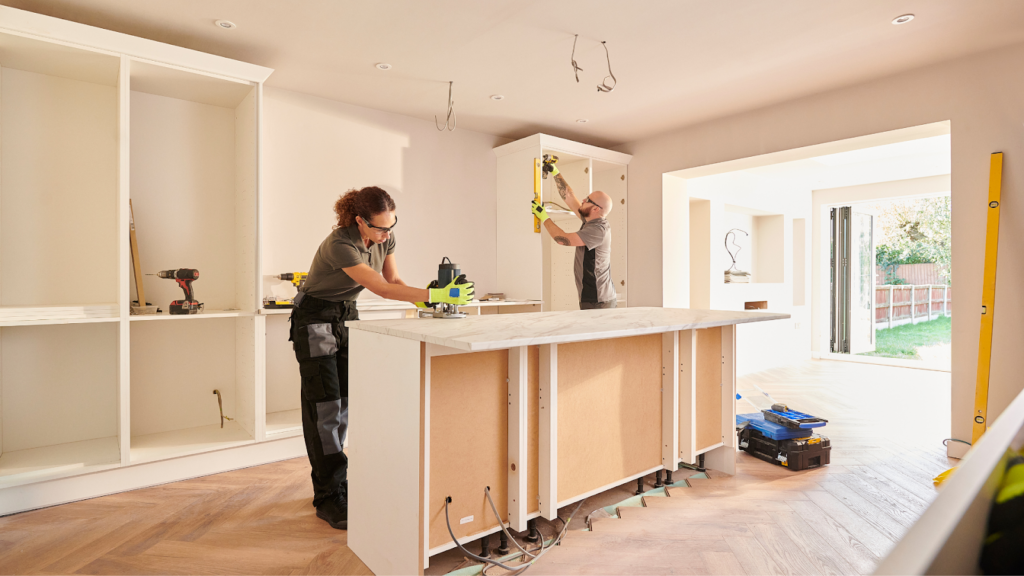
984 100
444 184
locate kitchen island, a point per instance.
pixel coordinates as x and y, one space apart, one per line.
544 408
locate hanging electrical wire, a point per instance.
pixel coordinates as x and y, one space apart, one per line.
575 67
451 117
603 86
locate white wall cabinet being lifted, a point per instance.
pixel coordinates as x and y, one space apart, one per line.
92 399
530 265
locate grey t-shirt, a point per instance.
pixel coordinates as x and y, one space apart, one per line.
593 266
343 248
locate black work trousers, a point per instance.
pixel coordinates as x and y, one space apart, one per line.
320 341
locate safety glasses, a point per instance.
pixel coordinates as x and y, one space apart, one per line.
592 202
382 229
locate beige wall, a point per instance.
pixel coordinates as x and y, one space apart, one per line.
444 184
982 96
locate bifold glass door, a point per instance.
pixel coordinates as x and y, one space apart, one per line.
853 280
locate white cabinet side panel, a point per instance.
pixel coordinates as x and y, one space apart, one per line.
519 256
246 169
125 271
245 373
687 396
613 182
384 527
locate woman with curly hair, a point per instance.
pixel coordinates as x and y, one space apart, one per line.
359 253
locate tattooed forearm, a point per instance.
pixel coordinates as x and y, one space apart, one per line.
563 186
562 240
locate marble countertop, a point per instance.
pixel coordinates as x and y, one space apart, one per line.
499 331
381 304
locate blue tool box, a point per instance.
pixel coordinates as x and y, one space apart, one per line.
772 430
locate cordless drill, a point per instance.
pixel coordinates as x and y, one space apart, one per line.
184 277
296 278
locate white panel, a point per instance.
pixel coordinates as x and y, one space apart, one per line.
675 243
384 426
59 191
548 432
284 385
518 430
612 180
687 396
54 59
245 374
723 458
124 267
246 172
183 194
520 266
60 384
162 80
670 400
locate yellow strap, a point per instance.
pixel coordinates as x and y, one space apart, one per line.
536 191
988 298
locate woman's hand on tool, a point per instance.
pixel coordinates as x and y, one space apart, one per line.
459 292
539 211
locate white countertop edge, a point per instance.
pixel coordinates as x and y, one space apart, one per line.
372 326
373 305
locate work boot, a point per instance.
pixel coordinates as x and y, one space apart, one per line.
335 512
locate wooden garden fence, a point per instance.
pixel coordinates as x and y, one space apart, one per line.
910 304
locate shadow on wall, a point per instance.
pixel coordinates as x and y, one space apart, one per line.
443 183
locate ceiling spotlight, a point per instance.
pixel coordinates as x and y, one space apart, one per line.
497 97
903 19
226 24
383 66
582 121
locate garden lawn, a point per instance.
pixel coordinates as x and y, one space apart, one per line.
903 341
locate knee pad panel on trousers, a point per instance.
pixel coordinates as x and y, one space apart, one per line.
320 379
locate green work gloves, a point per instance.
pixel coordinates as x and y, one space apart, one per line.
539 211
433 284
459 292
550 168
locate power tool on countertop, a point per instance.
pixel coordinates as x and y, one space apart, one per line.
184 277
297 279
446 273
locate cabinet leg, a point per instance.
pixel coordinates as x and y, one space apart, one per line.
503 549
639 485
700 463
533 536
485 546
668 477
657 480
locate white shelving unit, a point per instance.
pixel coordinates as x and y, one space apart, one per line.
92 399
530 265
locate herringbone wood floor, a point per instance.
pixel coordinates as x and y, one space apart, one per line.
886 425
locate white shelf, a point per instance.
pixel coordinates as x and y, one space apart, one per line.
165 445
50 462
206 314
284 423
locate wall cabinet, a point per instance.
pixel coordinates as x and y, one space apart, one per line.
530 265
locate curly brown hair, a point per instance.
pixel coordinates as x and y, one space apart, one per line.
365 203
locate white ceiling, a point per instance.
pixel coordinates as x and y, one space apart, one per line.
677 61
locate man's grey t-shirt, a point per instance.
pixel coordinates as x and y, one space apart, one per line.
344 248
593 266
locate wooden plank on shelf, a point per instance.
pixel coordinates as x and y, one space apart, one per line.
468 442
609 412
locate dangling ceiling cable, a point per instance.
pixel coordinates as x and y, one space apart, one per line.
575 67
603 86
450 118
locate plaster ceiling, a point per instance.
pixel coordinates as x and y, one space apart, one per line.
678 62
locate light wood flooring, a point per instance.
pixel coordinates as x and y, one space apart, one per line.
886 426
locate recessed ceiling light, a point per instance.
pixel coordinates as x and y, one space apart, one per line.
903 19
582 121
226 24
497 97
383 66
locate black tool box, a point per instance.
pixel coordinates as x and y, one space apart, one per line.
795 454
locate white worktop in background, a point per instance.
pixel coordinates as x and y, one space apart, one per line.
495 332
381 304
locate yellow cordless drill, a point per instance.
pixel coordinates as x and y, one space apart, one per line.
297 279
